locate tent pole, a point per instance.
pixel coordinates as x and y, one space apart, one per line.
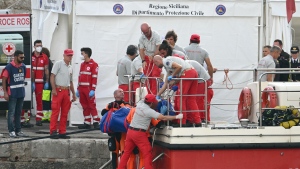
267 22
261 30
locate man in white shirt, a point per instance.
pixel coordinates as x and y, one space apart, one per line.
197 53
148 45
124 68
137 135
266 50
268 62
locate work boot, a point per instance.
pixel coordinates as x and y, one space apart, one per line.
198 125
96 125
26 124
63 136
54 135
39 123
189 124
84 126
178 125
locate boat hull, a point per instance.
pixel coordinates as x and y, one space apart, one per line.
263 158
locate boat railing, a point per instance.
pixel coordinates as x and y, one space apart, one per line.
181 95
169 97
284 71
105 165
143 83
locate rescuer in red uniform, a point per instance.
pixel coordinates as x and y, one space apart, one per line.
39 66
87 82
137 135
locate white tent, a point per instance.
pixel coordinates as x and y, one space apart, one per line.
229 31
50 23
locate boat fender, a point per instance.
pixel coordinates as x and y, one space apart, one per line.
244 105
290 123
269 93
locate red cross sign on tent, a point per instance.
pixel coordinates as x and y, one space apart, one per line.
8 48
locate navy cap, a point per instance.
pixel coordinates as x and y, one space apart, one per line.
294 49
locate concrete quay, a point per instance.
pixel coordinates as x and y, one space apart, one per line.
86 150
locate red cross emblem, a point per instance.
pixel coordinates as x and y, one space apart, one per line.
8 48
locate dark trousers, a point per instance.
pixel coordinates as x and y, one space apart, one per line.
14 114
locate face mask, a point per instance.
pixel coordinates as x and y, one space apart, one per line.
82 57
38 49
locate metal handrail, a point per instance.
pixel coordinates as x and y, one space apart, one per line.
131 79
106 164
260 69
205 96
260 92
157 157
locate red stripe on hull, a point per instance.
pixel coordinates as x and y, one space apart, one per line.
228 158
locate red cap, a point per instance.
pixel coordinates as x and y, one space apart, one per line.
68 52
150 98
195 37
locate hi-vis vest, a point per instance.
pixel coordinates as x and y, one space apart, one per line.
16 80
38 66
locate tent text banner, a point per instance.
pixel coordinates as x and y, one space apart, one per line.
57 6
168 8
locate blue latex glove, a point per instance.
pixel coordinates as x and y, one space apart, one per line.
46 86
158 98
33 87
174 88
92 93
142 75
170 78
77 93
161 84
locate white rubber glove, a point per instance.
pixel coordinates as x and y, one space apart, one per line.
179 116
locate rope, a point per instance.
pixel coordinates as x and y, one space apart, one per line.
250 80
149 72
232 110
153 137
226 78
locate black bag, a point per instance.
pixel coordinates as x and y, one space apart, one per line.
111 144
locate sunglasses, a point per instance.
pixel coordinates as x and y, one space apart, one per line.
22 58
